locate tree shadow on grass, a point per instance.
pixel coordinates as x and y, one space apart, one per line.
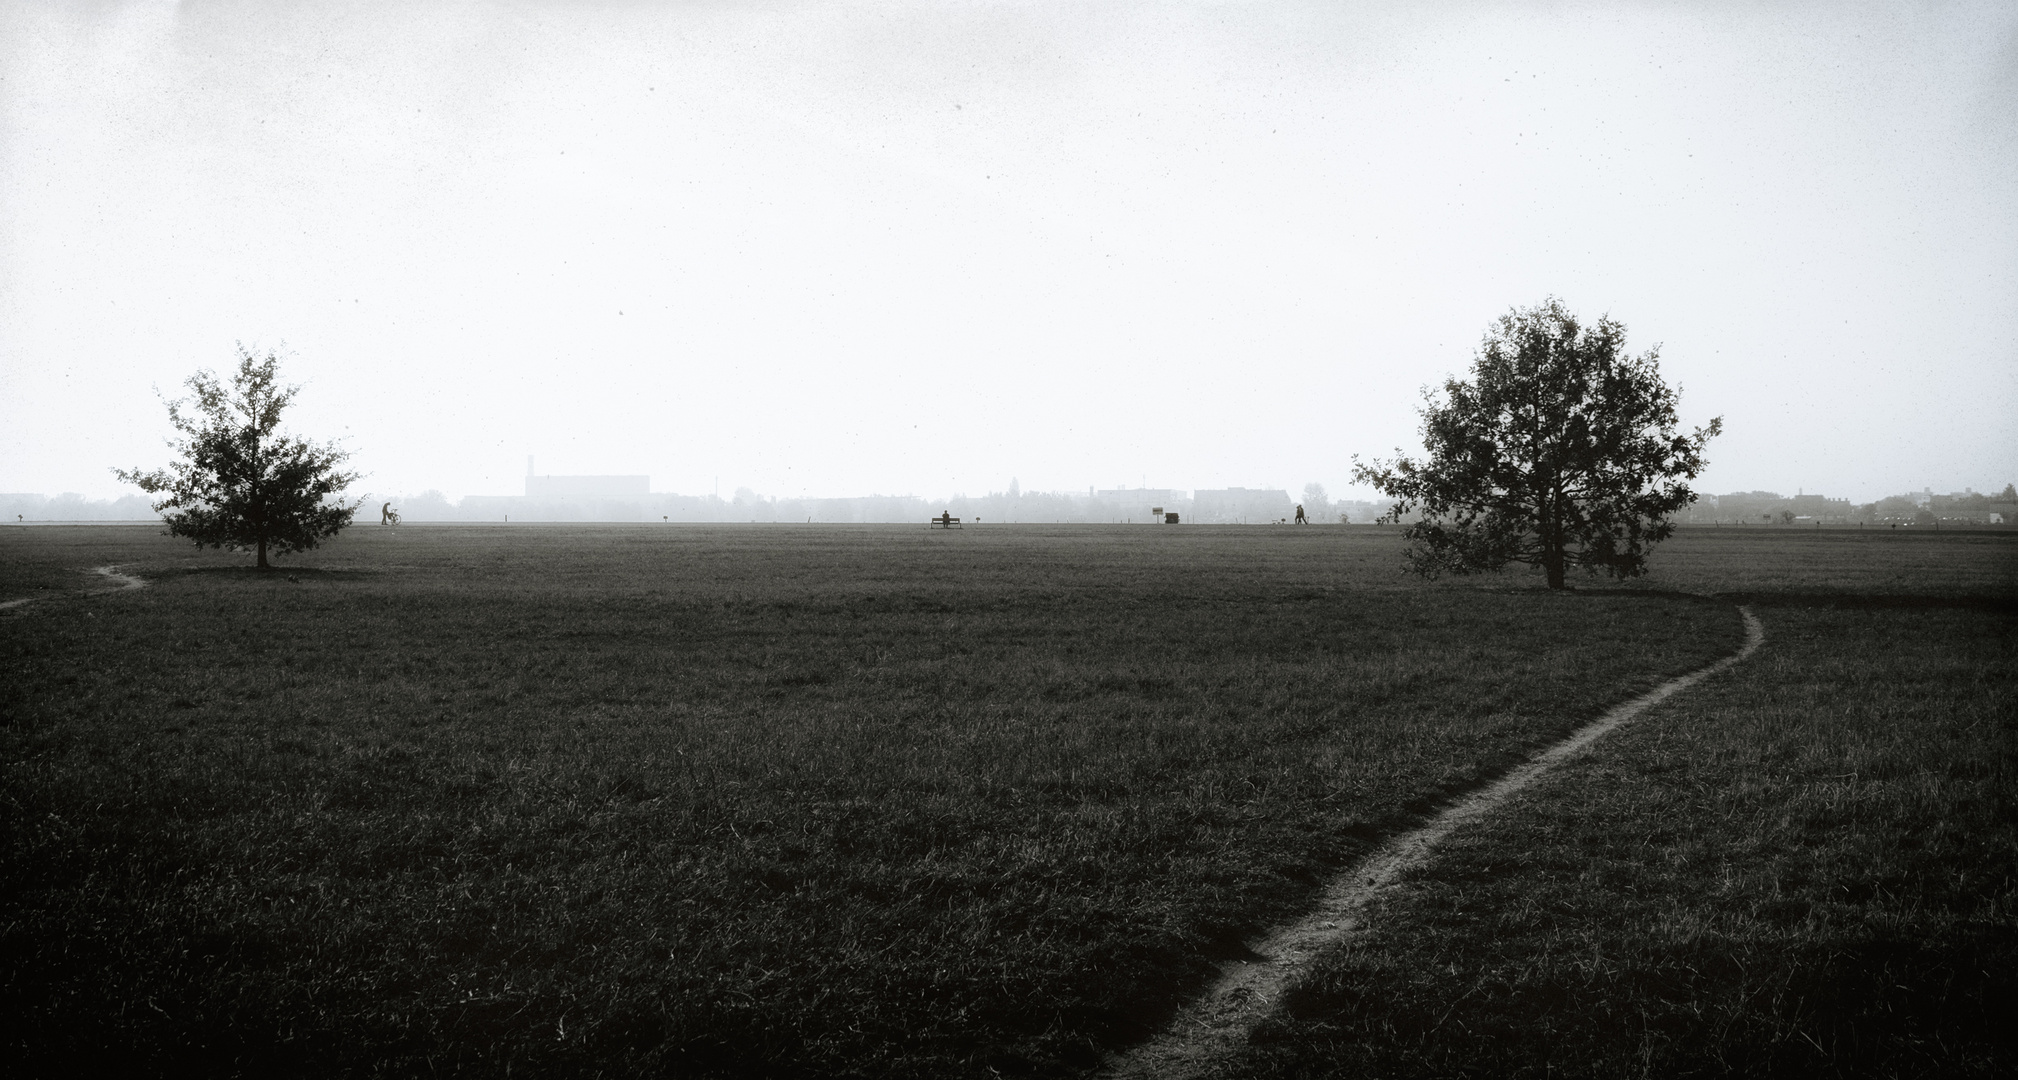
2002 605
283 573
1999 605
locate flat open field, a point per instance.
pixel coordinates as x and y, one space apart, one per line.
871 801
1806 868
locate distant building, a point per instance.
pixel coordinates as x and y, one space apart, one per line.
1820 507
1136 503
587 487
1252 506
1740 506
588 498
1764 507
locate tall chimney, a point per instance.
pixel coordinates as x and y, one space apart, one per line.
529 464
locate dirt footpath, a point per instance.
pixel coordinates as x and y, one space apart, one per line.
1210 1030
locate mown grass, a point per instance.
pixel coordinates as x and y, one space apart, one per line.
729 801
1808 867
36 564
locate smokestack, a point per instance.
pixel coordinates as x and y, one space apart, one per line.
529 464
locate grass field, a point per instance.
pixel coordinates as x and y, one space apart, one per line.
1808 869
781 800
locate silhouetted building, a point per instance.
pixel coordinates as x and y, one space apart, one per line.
587 487
1765 507
1253 506
1142 503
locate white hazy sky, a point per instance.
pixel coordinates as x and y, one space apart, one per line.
840 248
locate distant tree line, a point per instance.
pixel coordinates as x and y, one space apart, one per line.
70 506
1922 508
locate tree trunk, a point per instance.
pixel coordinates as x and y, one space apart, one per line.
1554 555
262 554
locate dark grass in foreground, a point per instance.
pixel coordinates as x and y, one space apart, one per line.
40 563
1807 868
729 801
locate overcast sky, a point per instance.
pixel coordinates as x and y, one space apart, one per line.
843 248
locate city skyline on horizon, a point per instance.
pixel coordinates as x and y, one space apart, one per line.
1356 496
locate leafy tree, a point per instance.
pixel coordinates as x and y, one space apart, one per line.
1316 501
241 482
1560 451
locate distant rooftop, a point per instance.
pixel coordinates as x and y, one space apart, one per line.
587 487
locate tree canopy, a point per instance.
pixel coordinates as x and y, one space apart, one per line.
241 482
1561 450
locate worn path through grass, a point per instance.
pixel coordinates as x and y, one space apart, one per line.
732 801
1807 868
1208 1033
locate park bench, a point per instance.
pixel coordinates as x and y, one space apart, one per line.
943 521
